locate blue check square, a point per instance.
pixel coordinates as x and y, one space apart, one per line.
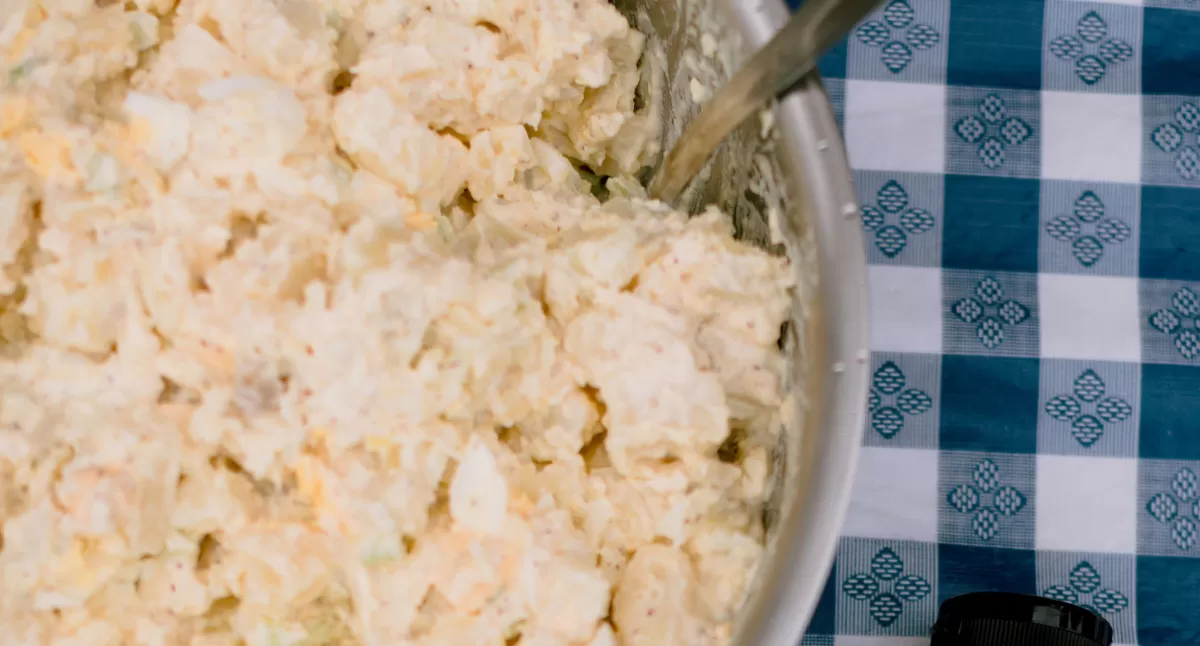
963 569
989 404
1170 233
993 132
833 63
1166 594
824 619
1170 410
1170 51
987 499
996 44
991 223
1089 228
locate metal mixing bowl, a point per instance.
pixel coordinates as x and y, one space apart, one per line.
798 170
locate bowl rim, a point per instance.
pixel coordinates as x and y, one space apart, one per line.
838 376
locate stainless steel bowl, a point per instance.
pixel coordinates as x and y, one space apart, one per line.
799 171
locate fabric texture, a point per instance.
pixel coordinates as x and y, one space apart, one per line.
1029 176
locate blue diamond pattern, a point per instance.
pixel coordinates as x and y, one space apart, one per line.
1087 229
1187 115
897 35
986 475
1085 578
1085 587
990 312
1185 302
1184 484
911 587
1178 136
1089 207
886 565
1183 531
1090 48
1012 312
993 130
964 498
1087 409
989 291
886 588
968 309
1009 501
1162 507
985 524
1063 408
988 500
1178 508
1180 321
886 608
1110 602
887 421
1167 137
860 586
888 379
892 200
1089 387
889 382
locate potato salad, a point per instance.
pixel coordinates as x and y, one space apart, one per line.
313 331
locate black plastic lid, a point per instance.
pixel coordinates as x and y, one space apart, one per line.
1007 619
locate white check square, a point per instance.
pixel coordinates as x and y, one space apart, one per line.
1089 317
1086 504
906 309
896 126
1091 136
895 495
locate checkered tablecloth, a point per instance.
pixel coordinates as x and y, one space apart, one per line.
1029 173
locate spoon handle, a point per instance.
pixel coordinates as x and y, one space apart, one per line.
775 68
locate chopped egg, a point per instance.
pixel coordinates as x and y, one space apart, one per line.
313 332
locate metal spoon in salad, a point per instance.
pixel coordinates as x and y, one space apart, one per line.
793 52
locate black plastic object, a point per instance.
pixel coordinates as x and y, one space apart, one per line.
1005 619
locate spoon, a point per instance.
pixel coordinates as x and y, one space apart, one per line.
793 52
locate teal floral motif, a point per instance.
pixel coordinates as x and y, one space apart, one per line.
1087 410
1180 509
897 35
1084 588
1087 230
1178 136
1180 321
1091 49
990 312
993 130
886 587
986 499
887 414
892 200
